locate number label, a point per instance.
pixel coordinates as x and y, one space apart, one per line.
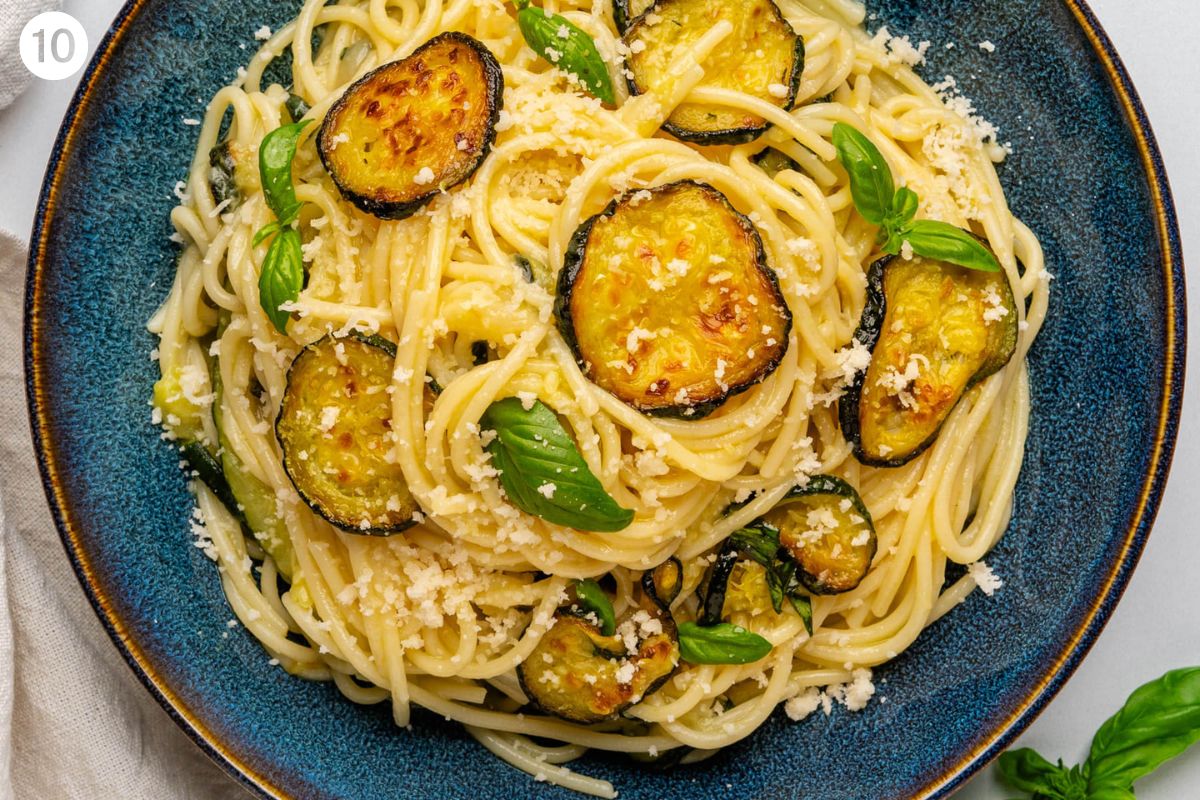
54 45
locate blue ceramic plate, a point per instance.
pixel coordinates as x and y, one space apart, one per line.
1107 382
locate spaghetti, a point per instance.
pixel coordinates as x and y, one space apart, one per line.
442 615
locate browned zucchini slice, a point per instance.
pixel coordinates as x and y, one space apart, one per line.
415 127
334 427
668 302
577 673
935 331
827 530
763 57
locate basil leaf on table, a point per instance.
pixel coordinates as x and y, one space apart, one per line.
282 276
592 598
1027 771
947 243
1158 722
566 46
720 644
542 471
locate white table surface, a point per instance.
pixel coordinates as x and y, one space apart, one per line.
1157 625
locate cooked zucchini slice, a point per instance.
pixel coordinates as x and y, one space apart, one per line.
415 127
577 673
747 592
254 503
626 11
296 107
334 427
763 57
935 330
232 173
536 272
826 529
773 162
662 584
668 302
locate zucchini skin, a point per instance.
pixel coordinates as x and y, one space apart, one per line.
626 11
210 472
869 332
573 264
663 583
725 136
493 77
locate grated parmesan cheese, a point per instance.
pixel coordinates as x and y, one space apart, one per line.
900 49
987 581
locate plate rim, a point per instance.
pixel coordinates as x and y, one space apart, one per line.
1037 697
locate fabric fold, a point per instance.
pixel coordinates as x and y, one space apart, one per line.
74 721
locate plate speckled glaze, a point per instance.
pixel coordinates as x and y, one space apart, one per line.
1107 378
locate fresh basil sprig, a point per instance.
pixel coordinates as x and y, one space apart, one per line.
566 46
880 203
1158 722
282 274
720 644
542 471
592 598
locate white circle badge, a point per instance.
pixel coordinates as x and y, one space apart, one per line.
54 46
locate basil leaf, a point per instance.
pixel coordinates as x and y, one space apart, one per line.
870 176
890 241
777 578
532 451
803 606
1111 793
282 277
720 644
1027 771
1158 722
556 39
947 243
757 544
266 232
275 156
592 598
904 207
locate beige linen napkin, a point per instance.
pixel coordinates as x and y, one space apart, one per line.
74 721
13 16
